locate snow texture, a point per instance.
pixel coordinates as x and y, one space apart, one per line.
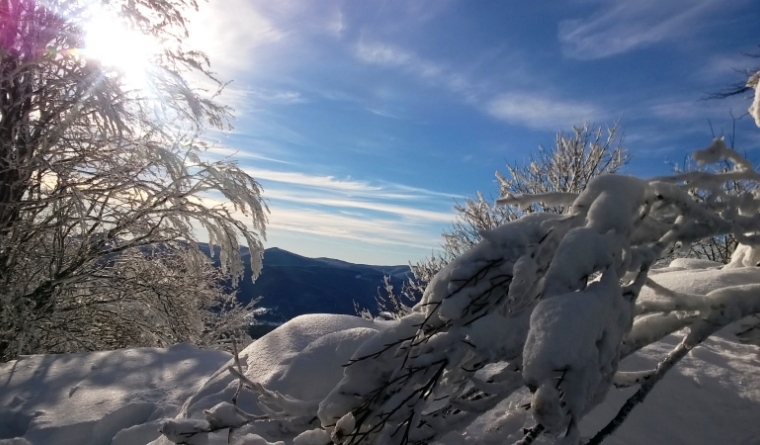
294 368
713 396
99 397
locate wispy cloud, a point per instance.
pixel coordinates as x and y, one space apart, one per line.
369 230
329 208
540 111
683 109
382 190
533 110
279 97
380 213
728 66
231 153
247 100
620 26
237 32
408 212
303 179
436 74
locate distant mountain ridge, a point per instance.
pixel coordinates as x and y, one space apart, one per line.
291 285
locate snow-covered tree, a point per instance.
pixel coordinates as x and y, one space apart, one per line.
103 186
568 166
575 159
520 313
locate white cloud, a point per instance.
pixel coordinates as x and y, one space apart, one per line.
436 74
380 214
232 153
374 231
543 112
623 25
383 190
323 182
230 32
280 97
234 32
407 212
531 110
382 54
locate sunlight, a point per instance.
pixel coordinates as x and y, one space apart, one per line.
109 40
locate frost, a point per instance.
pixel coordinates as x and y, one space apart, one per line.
754 109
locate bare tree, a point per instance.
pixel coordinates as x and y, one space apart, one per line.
94 176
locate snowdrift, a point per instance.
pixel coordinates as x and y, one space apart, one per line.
123 397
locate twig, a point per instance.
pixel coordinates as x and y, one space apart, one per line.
240 384
531 434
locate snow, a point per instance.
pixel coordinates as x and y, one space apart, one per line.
294 367
712 396
121 397
570 379
100 397
754 109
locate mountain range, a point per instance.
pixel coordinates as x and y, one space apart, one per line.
290 285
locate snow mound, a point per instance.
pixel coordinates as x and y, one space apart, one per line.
700 281
88 398
296 364
692 264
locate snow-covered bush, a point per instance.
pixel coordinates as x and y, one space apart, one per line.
546 304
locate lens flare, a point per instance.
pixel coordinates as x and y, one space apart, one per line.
109 40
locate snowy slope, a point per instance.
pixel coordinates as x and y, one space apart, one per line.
89 398
712 396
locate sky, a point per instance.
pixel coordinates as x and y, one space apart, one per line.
366 121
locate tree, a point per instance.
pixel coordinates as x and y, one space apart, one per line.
574 160
523 298
719 249
103 186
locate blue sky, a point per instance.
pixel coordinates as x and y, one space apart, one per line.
366 120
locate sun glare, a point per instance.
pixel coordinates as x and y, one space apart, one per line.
109 40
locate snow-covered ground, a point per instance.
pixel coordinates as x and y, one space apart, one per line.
110 397
123 397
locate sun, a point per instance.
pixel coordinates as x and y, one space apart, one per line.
109 40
